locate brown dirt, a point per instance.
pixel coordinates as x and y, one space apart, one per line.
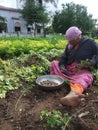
21 112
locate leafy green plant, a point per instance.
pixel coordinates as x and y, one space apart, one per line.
54 40
95 73
66 81
96 116
54 119
10 47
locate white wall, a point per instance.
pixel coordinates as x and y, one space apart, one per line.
11 22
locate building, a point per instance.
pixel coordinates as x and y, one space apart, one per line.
15 23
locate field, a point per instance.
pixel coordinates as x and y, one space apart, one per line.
23 106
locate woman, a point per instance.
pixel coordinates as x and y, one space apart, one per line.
78 50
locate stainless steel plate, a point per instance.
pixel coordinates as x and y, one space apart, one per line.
52 78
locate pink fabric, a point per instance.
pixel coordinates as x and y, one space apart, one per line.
82 77
72 33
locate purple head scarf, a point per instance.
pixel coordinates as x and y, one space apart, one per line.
72 33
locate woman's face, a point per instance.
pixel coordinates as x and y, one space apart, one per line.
75 40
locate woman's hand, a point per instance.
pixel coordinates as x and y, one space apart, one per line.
83 65
65 71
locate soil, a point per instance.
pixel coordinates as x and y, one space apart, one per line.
20 111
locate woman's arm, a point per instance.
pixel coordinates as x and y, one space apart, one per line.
94 60
63 58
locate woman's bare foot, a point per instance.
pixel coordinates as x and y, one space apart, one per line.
72 99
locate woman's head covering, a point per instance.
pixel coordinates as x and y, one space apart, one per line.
72 33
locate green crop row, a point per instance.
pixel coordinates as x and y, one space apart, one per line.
10 47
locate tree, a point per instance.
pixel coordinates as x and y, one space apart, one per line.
34 13
44 19
73 15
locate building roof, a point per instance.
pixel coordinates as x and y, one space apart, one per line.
8 9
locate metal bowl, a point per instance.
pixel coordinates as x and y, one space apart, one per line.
52 78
